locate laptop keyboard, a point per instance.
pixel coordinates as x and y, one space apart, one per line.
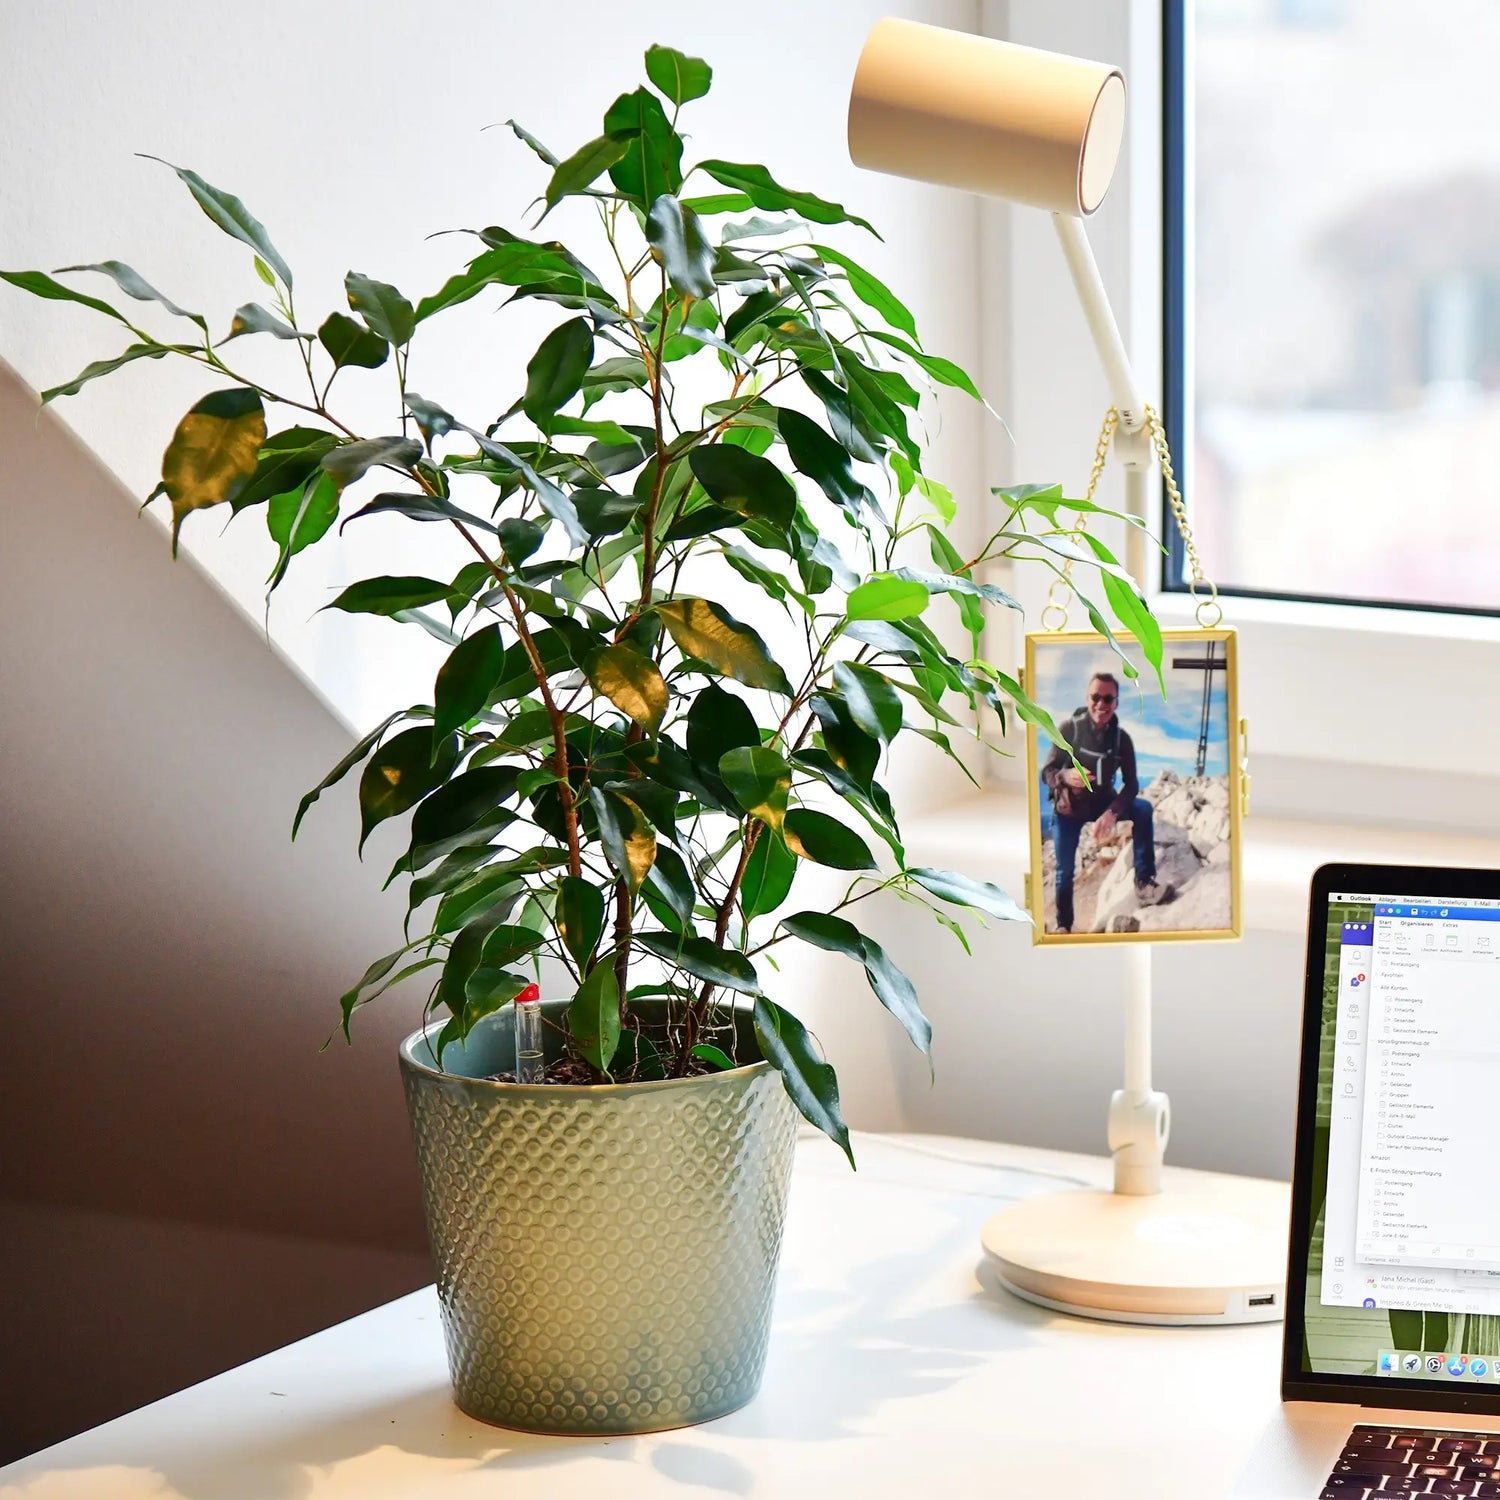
1380 1461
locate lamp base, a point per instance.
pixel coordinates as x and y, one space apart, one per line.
1207 1249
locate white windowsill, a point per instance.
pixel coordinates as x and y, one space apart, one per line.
1175 609
984 835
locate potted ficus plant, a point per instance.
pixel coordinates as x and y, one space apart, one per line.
618 785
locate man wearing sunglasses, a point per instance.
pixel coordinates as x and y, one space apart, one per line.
1106 752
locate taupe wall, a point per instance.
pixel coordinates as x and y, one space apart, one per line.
171 960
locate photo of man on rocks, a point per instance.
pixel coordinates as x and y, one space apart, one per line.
1133 799
1095 737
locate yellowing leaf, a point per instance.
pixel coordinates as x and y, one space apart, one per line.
713 635
213 452
631 682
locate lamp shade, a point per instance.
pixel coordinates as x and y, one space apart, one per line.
987 116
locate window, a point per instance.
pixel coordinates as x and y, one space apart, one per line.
1332 199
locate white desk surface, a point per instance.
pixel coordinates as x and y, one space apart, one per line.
897 1368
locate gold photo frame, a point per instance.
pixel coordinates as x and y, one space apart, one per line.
1171 872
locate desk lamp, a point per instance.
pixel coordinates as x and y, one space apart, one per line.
1045 130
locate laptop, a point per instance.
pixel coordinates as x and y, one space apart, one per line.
1390 1378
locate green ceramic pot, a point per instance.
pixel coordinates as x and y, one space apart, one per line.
606 1256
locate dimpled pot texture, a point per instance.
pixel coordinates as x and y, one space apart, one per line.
606 1256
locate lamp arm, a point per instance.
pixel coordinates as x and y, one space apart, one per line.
1089 285
1132 441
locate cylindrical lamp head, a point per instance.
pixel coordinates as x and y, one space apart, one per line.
986 116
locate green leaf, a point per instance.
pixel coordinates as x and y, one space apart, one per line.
874 703
39 284
104 367
872 394
760 780
676 75
463 959
983 896
740 481
352 999
520 539
286 461
465 681
489 897
388 596
417 505
253 318
433 421
709 633
553 500
870 290
631 682
213 452
892 988
133 284
848 423
351 461
350 343
788 1046
853 751
764 191
704 959
686 252
669 878
713 1055
462 804
522 134
514 262
384 309
506 945
1131 611
557 369
887 598
489 988
400 774
342 769
944 371
629 844
594 1015
580 916
823 460
299 518
769 874
824 840
457 866
582 169
233 218
718 203
717 722
651 163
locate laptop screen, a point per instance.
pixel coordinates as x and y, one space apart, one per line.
1404 1265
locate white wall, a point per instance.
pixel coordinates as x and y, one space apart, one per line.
354 130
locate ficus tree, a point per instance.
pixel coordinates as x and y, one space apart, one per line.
615 773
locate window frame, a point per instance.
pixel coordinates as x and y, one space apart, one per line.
1176 351
1293 653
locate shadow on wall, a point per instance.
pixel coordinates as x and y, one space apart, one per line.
172 960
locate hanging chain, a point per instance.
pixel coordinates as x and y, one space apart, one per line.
1208 611
1060 595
